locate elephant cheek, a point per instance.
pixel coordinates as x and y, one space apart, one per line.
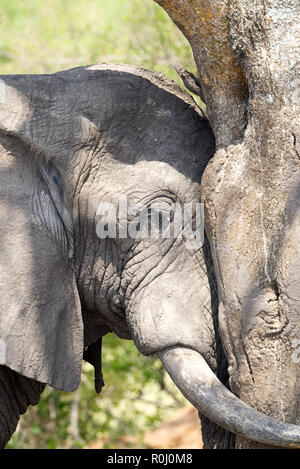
163 315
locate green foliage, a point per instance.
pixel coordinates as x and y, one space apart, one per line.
44 37
58 34
137 397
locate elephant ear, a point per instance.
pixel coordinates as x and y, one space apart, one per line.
41 330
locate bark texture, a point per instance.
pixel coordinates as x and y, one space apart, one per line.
247 56
204 23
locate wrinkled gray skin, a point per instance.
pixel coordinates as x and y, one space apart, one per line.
68 142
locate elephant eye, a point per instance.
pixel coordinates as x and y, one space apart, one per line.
160 215
151 220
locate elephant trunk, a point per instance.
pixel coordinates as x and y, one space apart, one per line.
200 386
165 320
16 394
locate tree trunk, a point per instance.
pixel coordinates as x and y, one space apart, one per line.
245 52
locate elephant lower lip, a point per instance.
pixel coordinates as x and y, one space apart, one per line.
200 386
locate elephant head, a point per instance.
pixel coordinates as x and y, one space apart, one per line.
74 146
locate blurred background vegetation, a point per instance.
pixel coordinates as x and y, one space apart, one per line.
39 37
44 37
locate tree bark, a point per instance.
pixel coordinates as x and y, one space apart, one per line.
204 23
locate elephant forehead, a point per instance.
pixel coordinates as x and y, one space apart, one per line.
147 178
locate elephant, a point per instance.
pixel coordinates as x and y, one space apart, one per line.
72 142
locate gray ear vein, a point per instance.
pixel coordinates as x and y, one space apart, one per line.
50 209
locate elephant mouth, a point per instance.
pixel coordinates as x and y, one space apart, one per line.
197 382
